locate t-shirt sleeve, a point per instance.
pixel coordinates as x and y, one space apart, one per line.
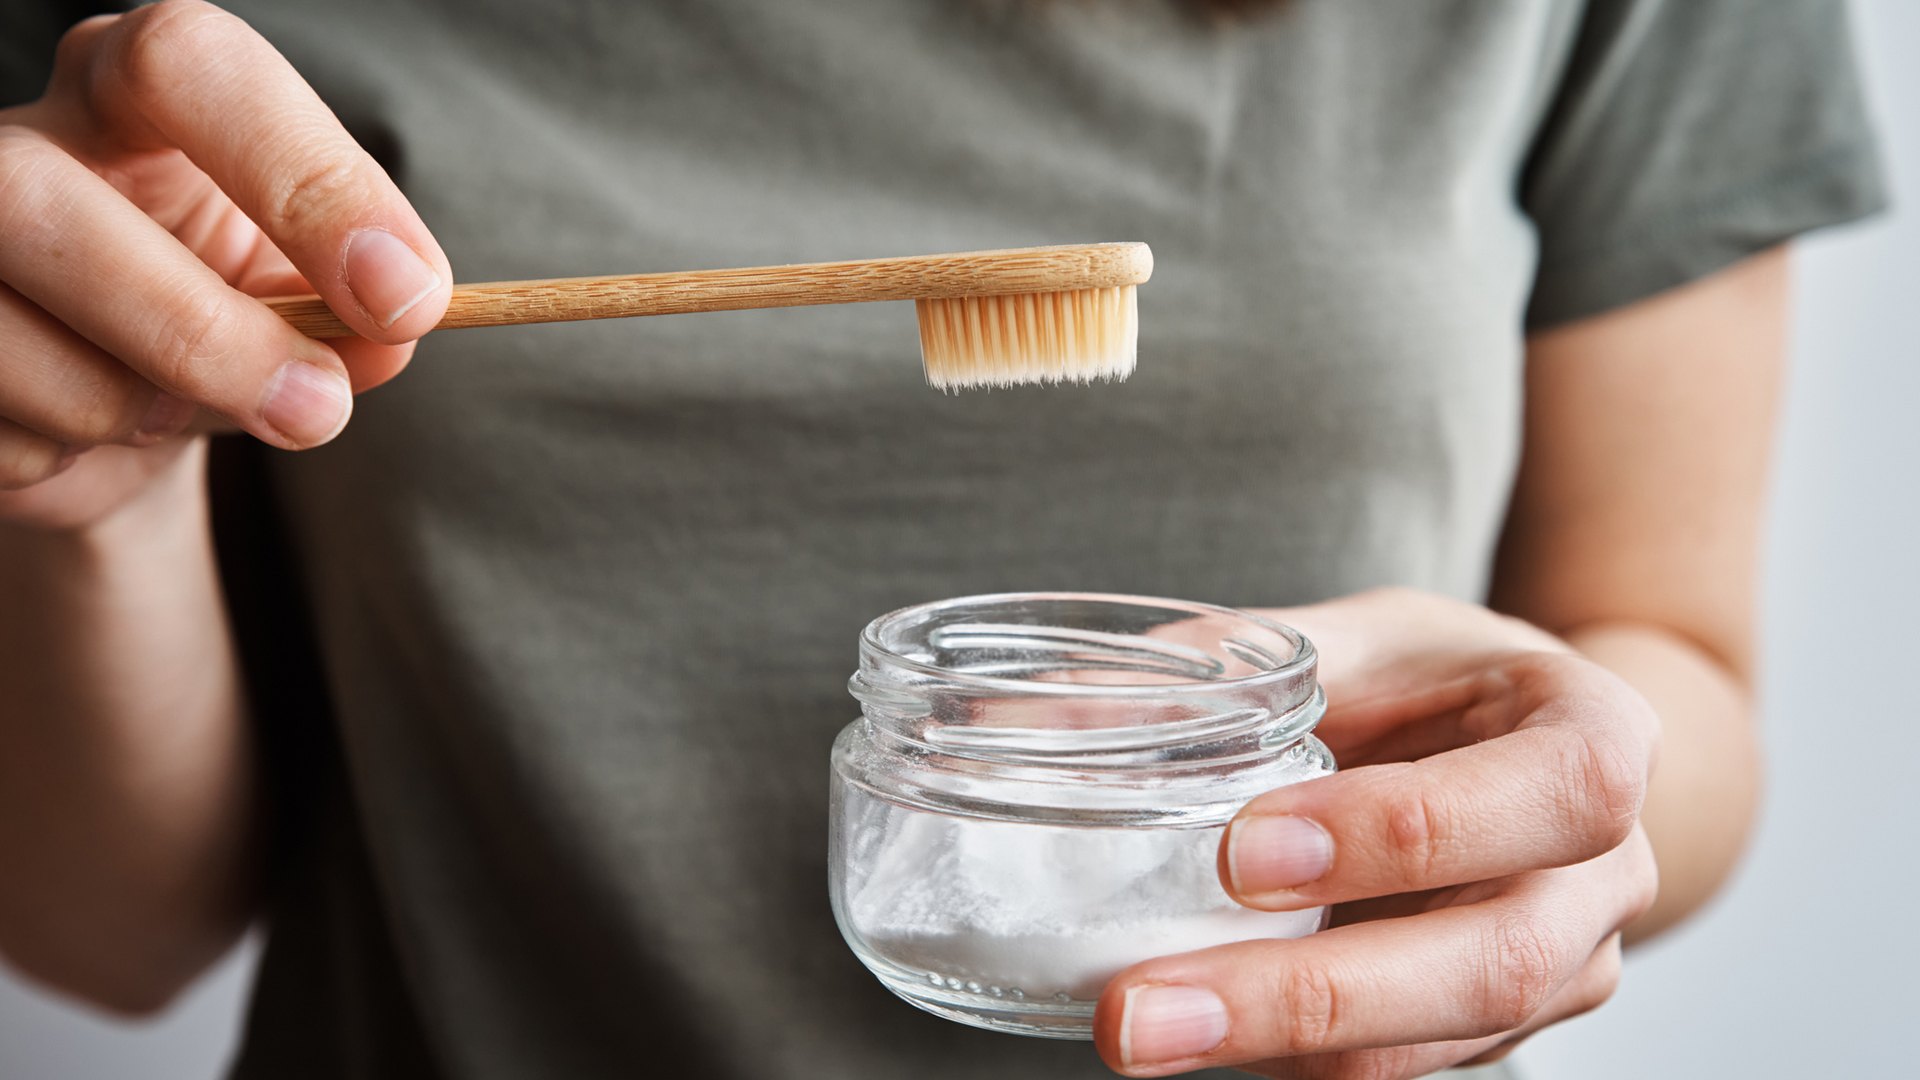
1687 135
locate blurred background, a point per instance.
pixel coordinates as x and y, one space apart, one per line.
1805 967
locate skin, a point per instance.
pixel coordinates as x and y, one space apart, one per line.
1499 817
1498 821
128 199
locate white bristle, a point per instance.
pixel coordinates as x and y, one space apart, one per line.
1076 336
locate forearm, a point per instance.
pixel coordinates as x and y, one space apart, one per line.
1706 783
125 775
1633 533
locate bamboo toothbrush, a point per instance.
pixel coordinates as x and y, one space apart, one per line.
987 318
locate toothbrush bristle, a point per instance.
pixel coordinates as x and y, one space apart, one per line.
1076 336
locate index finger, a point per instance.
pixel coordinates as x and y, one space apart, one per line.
1483 968
1558 780
187 75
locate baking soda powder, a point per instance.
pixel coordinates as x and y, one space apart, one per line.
1049 912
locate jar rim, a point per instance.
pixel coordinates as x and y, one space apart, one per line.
1305 656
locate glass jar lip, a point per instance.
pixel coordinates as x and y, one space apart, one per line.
1304 658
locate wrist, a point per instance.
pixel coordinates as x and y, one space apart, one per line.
81 532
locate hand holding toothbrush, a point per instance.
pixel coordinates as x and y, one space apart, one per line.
177 168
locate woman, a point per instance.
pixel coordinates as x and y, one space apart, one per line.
1483 300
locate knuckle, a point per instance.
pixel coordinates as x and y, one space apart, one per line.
1607 788
310 197
84 404
73 54
96 414
192 345
1643 880
1309 1002
158 41
1646 889
1602 977
1523 967
1417 835
25 459
80 35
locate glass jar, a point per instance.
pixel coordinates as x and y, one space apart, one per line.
1034 797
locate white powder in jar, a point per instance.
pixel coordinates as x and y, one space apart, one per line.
1041 909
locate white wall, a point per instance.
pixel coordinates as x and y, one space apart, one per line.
1806 968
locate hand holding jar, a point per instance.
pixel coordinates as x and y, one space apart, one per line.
1481 846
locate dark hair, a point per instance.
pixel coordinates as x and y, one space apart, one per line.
1234 8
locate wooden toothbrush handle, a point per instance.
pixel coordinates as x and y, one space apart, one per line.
911 277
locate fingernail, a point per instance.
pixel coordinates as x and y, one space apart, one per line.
166 416
1167 1023
387 276
1269 853
307 404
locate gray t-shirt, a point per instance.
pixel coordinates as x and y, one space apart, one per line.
585 595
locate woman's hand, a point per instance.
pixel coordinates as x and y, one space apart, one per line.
176 168
1481 842
1486 840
